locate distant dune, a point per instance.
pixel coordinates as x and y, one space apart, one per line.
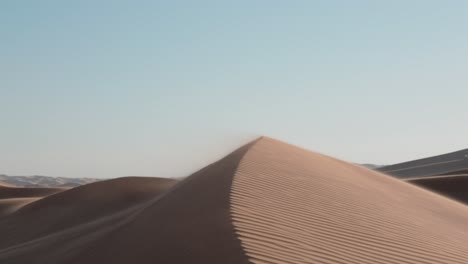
267 202
13 198
44 181
20 192
371 166
453 186
4 184
450 163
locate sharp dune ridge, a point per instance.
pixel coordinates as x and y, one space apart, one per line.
267 202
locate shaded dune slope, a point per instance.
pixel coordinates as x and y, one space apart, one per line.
449 163
7 192
12 198
8 206
456 172
190 224
78 206
268 202
453 186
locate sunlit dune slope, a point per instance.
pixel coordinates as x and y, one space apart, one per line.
290 205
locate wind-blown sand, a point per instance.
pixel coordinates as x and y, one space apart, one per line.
267 202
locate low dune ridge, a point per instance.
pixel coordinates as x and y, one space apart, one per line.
456 172
449 163
9 206
45 181
3 184
78 206
7 192
12 198
453 186
267 202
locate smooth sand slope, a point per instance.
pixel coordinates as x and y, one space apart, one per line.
23 192
78 206
268 202
449 163
12 198
453 186
4 184
11 205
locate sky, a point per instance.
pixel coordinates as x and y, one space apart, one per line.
162 88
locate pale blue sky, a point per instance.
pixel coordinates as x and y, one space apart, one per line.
114 88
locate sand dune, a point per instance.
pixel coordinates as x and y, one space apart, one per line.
455 172
45 181
431 166
267 202
21 192
78 206
12 198
453 186
3 184
8 206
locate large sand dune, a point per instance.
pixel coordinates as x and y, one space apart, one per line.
267 202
